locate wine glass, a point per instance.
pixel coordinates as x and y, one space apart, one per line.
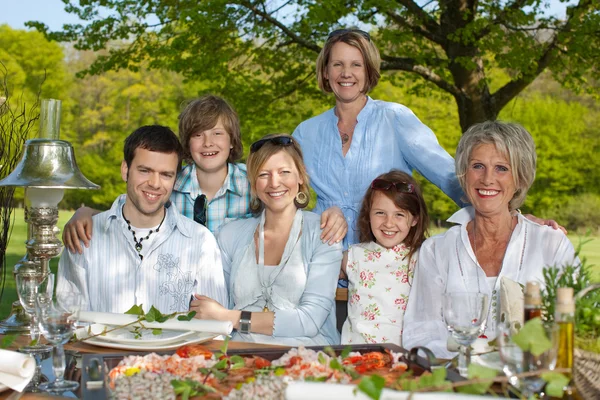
57 318
465 313
516 361
28 286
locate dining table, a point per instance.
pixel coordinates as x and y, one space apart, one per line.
81 348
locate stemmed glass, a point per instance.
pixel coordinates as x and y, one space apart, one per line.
57 318
28 287
515 361
465 313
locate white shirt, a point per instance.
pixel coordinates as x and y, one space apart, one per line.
182 259
531 248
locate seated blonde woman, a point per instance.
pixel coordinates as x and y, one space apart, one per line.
280 275
495 165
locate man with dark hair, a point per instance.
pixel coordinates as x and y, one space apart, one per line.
145 252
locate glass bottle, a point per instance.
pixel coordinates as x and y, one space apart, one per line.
533 301
565 318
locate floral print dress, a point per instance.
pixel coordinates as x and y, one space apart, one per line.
379 284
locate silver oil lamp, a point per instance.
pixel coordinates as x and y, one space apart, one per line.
47 168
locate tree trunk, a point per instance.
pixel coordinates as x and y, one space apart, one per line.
472 111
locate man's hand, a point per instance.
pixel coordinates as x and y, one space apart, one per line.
549 222
79 228
334 225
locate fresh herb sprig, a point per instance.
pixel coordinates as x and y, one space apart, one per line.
153 315
577 276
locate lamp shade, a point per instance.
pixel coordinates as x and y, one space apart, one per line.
48 163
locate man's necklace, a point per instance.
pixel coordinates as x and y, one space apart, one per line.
138 243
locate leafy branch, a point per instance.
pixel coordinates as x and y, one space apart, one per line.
153 315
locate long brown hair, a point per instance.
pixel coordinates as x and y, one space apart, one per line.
411 202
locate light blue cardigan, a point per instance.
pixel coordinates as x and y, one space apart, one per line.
316 311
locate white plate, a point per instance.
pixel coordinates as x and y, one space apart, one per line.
197 337
125 336
490 360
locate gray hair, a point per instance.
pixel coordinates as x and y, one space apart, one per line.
513 141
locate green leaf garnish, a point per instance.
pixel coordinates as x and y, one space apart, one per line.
532 337
222 364
225 345
237 362
155 315
347 350
157 331
34 342
372 386
556 383
187 317
335 364
329 351
322 359
136 310
477 371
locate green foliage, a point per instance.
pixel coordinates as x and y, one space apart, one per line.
579 211
261 52
372 386
477 371
532 337
7 340
587 309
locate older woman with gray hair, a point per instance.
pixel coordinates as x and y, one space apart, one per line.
495 164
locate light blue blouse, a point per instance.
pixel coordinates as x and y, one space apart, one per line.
315 313
387 136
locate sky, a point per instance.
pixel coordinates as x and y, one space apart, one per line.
52 13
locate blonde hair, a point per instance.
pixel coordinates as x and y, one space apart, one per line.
256 160
513 141
369 53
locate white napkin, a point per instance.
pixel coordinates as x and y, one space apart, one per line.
198 325
16 369
298 390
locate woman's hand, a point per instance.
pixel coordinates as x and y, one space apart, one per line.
549 222
334 225
207 308
79 228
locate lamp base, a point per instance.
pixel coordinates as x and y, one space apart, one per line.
16 322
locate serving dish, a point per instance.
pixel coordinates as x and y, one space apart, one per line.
95 368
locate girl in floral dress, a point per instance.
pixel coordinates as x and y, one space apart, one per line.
392 224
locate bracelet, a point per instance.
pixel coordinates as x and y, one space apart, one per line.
245 322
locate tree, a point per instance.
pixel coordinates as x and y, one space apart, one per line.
262 50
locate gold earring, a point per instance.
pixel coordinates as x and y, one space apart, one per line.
301 200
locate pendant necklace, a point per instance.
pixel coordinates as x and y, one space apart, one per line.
345 136
138 243
484 326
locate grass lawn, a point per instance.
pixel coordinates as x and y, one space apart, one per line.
16 250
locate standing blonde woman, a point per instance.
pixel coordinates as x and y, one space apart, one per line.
281 277
360 138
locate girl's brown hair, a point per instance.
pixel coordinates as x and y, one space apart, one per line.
411 202
202 114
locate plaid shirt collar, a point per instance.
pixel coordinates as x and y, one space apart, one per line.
188 183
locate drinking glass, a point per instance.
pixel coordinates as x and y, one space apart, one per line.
28 286
57 318
465 313
515 361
